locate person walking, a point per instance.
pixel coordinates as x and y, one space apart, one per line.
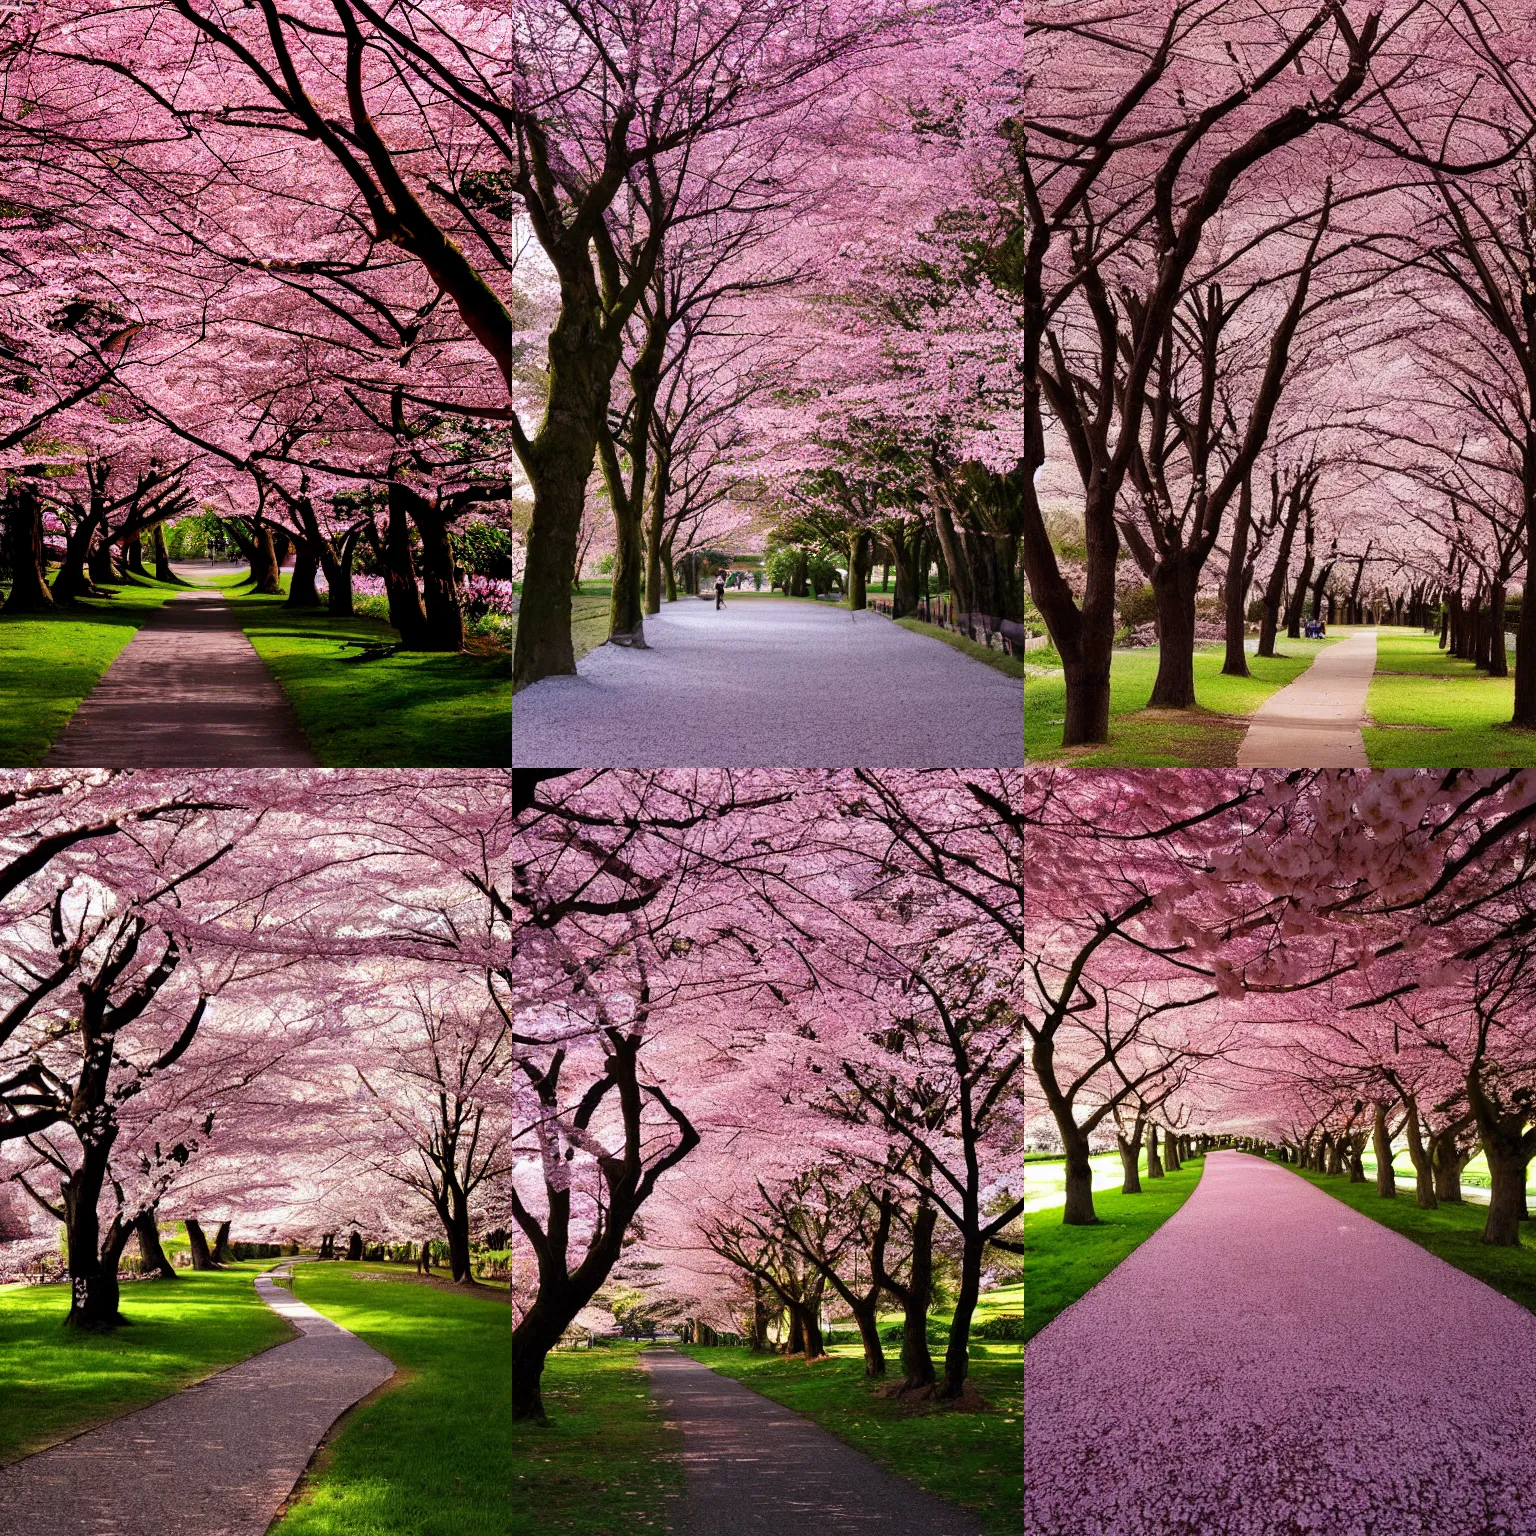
720 591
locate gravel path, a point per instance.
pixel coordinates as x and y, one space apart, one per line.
768 683
217 1459
1270 1363
756 1469
188 691
1315 721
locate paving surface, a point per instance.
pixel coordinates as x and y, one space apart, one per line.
755 1469
1315 721
777 684
217 1459
1270 1363
188 691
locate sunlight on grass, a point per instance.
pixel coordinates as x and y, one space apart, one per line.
1433 710
54 1381
428 1456
1159 738
1062 1263
971 1459
50 662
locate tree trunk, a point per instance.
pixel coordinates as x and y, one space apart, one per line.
1079 1211
1498 653
759 1333
25 553
858 554
302 591
265 573
1235 592
133 550
532 1340
1381 1142
355 1247
99 562
198 1242
867 1315
1154 1160
455 1218
1174 583
151 1254
1525 637
405 611
957 1353
1130 1159
1171 1159
1506 1199
1424 1173
163 571
444 629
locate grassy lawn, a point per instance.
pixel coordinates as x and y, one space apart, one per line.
1452 1233
409 710
1009 666
428 1456
54 1382
49 662
1207 736
606 1464
1062 1263
1432 710
971 1459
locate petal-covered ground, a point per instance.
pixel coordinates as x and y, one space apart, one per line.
1269 1363
767 683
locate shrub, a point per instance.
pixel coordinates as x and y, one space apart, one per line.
1006 1326
1138 606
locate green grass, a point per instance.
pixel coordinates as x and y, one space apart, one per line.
1207 736
993 656
1451 1232
1433 710
606 1464
55 1382
428 1456
409 710
1062 1263
49 662
971 1459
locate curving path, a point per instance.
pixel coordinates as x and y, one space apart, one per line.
218 1458
754 1468
1270 1363
188 691
1315 721
769 683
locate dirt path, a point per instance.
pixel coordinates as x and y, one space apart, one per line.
1315 721
188 691
756 1469
772 684
217 1459
1270 1363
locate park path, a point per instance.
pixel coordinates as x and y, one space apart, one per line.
1315 721
753 1468
218 1458
1270 1363
188 691
767 683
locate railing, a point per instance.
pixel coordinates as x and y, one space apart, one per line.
980 627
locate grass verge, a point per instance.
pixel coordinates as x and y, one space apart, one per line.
972 1459
1451 1232
1062 1263
1009 666
49 662
1207 736
55 1382
1432 710
408 710
428 1456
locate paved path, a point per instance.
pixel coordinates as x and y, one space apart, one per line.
1315 721
756 1469
188 691
1269 1363
217 1459
767 683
